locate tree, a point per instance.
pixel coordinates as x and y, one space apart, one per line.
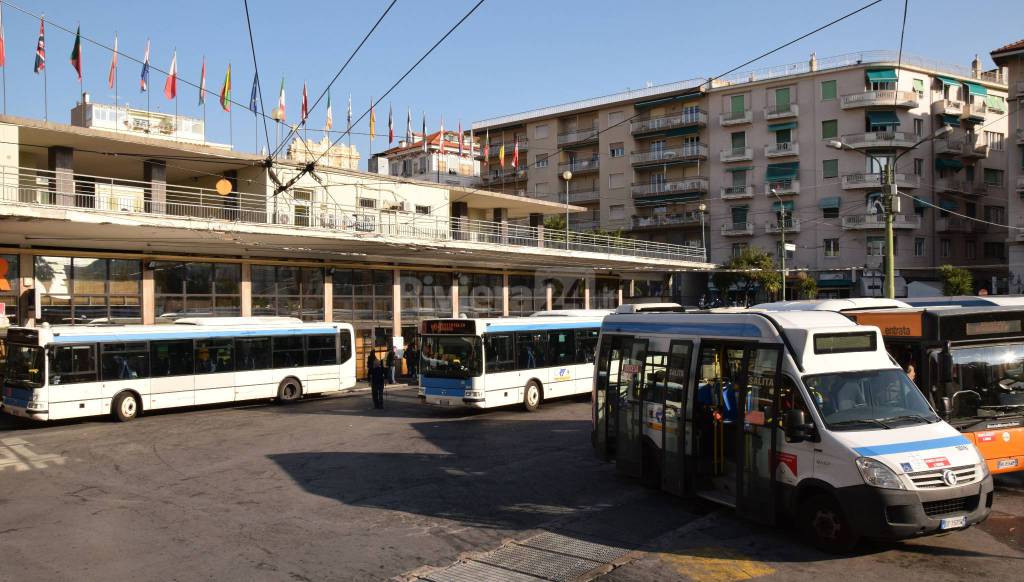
806 286
956 281
752 267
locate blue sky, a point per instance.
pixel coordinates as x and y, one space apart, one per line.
508 57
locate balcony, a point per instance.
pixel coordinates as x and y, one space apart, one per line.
737 192
782 187
880 139
584 196
952 186
505 176
776 226
495 147
666 220
736 155
735 118
781 112
947 107
738 229
956 224
577 137
684 153
975 150
695 185
984 189
873 221
782 149
1020 136
1020 183
658 124
859 181
882 98
974 111
580 166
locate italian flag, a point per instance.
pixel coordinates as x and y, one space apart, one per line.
279 111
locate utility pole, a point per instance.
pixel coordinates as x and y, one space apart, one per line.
889 203
782 255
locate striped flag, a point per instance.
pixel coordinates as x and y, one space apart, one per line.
487 144
171 84
441 140
112 75
304 109
254 96
501 155
515 156
373 121
391 127
225 91
329 122
408 126
76 53
424 140
202 83
144 79
349 128
472 143
3 44
41 49
460 138
279 111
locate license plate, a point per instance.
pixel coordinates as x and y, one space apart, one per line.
953 522
1006 463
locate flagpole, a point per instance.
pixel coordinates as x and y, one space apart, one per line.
5 58
46 108
116 125
81 83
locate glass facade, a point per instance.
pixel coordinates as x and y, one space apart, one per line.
288 291
480 295
196 290
86 290
425 295
526 294
363 296
10 287
605 293
567 292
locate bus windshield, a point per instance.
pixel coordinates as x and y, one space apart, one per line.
987 377
24 366
451 356
869 399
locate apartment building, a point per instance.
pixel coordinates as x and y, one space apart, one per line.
433 161
1011 58
722 163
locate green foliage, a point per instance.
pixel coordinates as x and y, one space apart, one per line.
807 287
752 267
956 281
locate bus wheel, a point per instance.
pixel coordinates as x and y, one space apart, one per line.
531 397
289 391
125 407
823 524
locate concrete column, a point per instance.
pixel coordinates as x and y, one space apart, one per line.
155 173
620 293
329 295
148 295
396 299
62 163
246 289
537 221
587 284
501 217
504 294
455 296
28 300
551 297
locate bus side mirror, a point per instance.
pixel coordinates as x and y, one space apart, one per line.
796 427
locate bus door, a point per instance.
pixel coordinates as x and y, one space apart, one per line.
629 429
606 390
757 455
720 373
676 382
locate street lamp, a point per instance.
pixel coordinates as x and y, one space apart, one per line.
567 175
782 231
702 208
889 197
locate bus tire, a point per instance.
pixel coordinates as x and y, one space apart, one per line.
289 391
824 525
532 396
125 407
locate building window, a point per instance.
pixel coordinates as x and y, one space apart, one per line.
426 294
10 287
830 129
994 139
919 247
616 212
829 169
541 131
615 118
778 251
996 214
367 203
830 212
918 127
828 90
87 290
616 150
918 167
363 295
993 177
196 290
616 180
831 247
420 209
541 189
288 291
480 295
875 246
944 248
995 250
919 88
970 249
526 294
738 248
542 160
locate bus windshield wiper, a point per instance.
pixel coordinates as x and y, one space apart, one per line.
855 422
909 417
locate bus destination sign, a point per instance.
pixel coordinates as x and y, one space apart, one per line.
449 326
992 327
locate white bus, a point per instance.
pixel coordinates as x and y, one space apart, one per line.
73 371
794 416
483 363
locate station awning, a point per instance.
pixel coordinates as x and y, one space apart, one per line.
830 202
782 126
883 118
975 89
882 75
786 171
948 164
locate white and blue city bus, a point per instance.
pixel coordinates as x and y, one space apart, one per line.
64 372
483 363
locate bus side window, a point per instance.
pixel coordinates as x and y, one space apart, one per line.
252 354
531 350
73 364
562 347
500 357
288 351
345 345
790 398
321 350
124 361
171 358
586 345
214 356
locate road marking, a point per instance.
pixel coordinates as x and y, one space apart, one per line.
15 453
716 565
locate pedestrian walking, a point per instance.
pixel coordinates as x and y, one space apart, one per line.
370 361
390 361
377 383
412 359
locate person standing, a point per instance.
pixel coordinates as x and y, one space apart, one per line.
411 359
377 383
370 361
391 359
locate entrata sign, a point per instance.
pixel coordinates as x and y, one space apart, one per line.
892 324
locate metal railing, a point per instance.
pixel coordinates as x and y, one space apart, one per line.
736 154
690 151
874 139
774 227
590 195
976 110
689 117
735 192
314 213
495 147
737 229
890 97
780 149
735 117
775 111
581 165
577 136
947 107
877 220
507 175
853 181
781 187
687 185
685 218
954 224
951 185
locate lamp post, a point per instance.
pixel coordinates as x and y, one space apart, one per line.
782 231
889 198
567 175
702 208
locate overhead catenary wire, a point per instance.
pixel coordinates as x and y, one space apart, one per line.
256 67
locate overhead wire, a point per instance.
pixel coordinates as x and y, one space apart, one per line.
256 67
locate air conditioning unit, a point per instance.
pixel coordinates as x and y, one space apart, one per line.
397 206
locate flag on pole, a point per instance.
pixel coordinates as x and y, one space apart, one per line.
41 49
76 53
349 128
279 112
441 134
304 110
487 144
373 121
171 84
329 122
501 155
408 126
424 140
225 91
460 138
112 75
391 126
3 49
144 79
202 83
254 95
515 156
472 143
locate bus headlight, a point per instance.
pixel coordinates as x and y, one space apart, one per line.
876 474
984 464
